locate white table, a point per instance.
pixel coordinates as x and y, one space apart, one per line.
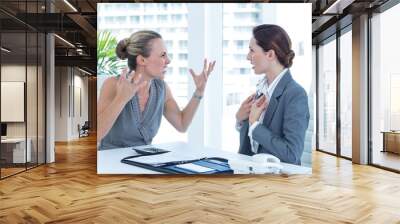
109 161
19 149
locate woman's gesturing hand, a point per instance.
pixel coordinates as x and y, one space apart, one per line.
200 80
129 84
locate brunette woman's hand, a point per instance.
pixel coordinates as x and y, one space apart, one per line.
257 108
244 109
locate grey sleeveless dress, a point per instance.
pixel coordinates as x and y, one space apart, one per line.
133 128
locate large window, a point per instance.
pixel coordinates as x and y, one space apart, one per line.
327 96
239 82
346 94
335 74
385 86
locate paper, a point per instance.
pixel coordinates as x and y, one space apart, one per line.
167 157
194 167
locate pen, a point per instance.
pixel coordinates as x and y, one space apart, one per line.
258 95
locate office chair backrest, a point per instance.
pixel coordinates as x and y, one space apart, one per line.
86 125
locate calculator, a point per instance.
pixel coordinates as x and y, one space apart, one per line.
150 151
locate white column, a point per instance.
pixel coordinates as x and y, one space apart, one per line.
213 101
360 90
196 49
50 99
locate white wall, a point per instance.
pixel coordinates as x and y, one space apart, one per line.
33 126
15 73
61 103
79 117
70 84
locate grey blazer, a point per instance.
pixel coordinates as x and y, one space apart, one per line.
282 131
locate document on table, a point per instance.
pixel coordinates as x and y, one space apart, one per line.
194 167
167 157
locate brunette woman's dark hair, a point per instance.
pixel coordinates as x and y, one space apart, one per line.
274 37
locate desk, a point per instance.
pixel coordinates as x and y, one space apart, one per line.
109 161
15 148
391 141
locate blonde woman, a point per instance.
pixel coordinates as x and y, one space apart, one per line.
130 106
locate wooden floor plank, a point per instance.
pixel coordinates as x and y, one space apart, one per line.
70 191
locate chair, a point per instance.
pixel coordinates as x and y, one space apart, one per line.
84 130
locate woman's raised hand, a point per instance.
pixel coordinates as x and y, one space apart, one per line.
129 84
200 80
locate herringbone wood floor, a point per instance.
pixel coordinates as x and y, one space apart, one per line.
70 191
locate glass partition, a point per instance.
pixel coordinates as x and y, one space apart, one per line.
31 98
22 89
13 104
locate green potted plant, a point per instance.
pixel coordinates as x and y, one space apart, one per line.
107 61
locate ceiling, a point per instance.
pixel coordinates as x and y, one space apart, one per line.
77 27
332 15
77 22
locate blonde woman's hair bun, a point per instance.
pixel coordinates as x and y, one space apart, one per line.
121 49
139 43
